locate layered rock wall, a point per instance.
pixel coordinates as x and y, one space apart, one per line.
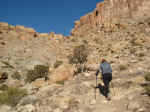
111 11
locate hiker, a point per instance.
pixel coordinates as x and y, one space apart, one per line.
106 71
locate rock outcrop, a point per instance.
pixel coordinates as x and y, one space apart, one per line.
5 27
25 33
110 12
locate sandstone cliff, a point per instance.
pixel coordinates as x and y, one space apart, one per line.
110 12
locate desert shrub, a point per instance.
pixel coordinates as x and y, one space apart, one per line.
12 95
122 67
141 54
80 54
3 87
147 87
79 57
40 71
80 69
85 41
73 40
147 76
57 63
16 75
61 82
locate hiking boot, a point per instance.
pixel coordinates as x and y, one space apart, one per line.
108 98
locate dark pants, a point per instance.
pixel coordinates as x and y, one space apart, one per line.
107 77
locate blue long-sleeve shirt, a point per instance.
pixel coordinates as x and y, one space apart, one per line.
104 68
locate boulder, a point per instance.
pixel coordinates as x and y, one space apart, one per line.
31 99
62 73
39 82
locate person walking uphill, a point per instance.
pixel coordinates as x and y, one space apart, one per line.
106 71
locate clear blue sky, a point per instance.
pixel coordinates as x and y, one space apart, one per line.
45 15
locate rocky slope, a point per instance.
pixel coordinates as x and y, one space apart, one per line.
126 46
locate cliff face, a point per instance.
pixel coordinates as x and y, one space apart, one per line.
109 12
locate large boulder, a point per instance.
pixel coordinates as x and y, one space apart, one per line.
62 73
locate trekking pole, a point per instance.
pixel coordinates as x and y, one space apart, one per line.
95 87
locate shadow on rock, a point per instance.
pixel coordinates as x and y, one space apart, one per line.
102 90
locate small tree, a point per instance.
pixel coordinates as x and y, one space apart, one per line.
79 56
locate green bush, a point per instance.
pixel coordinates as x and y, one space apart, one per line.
80 54
12 95
57 64
122 67
40 71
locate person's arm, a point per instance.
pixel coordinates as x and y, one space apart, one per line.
110 68
101 69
